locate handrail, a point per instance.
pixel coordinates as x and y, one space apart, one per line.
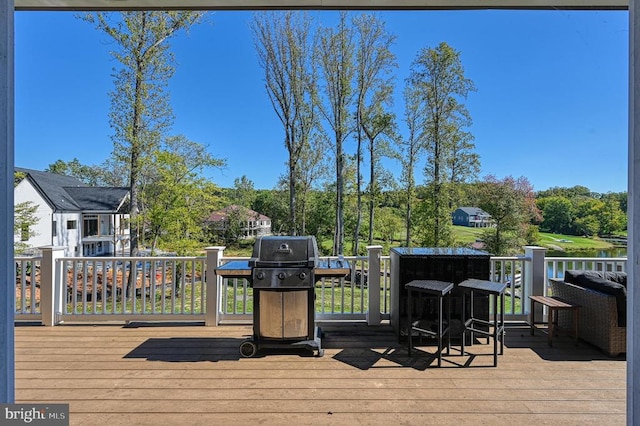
176 287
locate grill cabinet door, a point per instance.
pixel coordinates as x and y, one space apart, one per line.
296 313
284 314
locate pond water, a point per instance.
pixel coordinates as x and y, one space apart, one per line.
614 252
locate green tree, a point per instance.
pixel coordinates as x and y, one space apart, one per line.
574 192
273 203
243 192
321 218
24 221
408 153
557 214
437 79
610 217
335 50
106 174
313 168
284 44
586 222
235 224
463 165
18 177
388 224
140 110
175 196
374 63
87 174
511 204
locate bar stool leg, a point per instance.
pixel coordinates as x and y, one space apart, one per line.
449 324
575 326
439 331
471 303
409 313
502 324
464 323
495 330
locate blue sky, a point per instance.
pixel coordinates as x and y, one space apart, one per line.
551 101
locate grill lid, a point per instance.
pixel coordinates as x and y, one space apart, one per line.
278 251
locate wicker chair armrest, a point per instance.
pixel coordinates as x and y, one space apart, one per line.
592 302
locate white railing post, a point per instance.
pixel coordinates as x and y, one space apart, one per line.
212 293
535 274
50 285
7 266
373 283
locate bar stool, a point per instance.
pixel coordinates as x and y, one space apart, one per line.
437 289
490 288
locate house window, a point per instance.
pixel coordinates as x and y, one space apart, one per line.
54 230
72 224
24 232
90 225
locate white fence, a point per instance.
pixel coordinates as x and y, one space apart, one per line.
52 288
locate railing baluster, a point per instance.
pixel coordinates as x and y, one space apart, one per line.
84 278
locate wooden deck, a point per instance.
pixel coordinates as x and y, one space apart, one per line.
145 374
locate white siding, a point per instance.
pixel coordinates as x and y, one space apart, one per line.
43 230
24 192
70 239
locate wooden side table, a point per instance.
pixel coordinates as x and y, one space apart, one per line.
554 305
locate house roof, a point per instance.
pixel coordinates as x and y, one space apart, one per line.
67 193
474 211
98 198
220 215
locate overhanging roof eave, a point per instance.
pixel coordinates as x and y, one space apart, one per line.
115 5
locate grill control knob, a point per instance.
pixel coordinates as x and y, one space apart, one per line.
302 275
260 275
281 275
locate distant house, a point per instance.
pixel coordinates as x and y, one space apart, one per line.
86 220
249 223
473 217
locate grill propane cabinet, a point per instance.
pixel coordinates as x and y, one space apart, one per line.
283 272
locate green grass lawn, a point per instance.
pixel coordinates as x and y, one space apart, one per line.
466 235
571 242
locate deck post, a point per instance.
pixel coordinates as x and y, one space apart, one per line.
7 278
633 214
213 283
373 285
534 277
50 285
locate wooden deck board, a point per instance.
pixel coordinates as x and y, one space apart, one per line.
158 374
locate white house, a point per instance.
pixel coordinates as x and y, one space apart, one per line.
253 224
86 220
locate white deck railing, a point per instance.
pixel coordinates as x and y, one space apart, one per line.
27 287
132 288
52 288
557 265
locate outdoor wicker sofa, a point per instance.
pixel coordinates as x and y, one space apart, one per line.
602 315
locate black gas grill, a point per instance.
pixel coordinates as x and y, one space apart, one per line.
283 272
283 262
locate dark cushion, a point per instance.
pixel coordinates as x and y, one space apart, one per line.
618 277
601 281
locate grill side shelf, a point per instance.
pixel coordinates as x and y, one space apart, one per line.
241 269
332 268
236 268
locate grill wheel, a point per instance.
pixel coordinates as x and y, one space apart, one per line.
248 349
